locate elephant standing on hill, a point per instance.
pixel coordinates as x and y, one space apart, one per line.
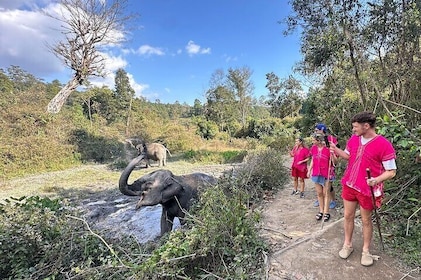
174 193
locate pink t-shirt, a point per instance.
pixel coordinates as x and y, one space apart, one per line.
371 155
321 157
300 154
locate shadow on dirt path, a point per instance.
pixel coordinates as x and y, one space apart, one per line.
302 249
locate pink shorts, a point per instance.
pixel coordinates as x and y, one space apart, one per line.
366 202
299 173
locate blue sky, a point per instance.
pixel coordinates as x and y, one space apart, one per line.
173 50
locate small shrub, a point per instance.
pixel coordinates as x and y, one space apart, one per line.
263 172
222 242
39 239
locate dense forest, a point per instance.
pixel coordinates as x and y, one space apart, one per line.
357 56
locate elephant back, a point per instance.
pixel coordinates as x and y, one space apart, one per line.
199 181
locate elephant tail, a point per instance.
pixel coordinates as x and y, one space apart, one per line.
168 152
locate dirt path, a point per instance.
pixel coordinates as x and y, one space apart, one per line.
301 249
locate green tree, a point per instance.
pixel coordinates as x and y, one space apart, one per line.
22 80
285 96
239 82
197 109
124 95
221 106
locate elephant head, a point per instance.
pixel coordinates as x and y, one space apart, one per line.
174 193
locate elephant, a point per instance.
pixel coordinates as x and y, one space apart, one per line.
174 193
153 151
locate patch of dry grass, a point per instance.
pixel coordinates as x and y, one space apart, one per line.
91 178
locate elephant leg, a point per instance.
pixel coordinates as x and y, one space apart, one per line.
166 222
164 161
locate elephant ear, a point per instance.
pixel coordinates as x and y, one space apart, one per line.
172 188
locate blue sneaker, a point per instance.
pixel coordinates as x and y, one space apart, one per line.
332 204
316 203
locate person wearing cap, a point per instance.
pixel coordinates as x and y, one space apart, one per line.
318 170
300 154
321 128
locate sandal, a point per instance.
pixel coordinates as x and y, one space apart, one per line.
319 216
326 217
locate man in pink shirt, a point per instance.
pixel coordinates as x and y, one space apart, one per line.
365 149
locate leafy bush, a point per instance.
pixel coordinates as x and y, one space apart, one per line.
263 172
96 148
403 193
40 240
222 241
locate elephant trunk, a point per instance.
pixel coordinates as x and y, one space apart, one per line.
123 185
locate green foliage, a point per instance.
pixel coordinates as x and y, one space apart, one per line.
96 148
39 239
214 157
226 244
222 240
206 129
263 172
403 192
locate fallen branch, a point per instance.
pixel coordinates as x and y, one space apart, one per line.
311 237
408 274
277 231
410 217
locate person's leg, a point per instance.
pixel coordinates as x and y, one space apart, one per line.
332 196
302 184
326 200
367 228
295 185
320 197
349 217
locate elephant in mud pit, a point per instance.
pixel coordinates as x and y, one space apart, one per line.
174 193
153 151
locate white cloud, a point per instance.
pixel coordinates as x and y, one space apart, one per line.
149 50
112 64
229 58
138 88
193 49
24 38
14 4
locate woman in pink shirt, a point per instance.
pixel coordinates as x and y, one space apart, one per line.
364 150
321 160
301 155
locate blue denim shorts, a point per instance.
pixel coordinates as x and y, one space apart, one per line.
318 180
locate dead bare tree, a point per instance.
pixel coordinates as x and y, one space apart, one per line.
88 25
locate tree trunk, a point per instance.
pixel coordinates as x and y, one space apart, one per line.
58 101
